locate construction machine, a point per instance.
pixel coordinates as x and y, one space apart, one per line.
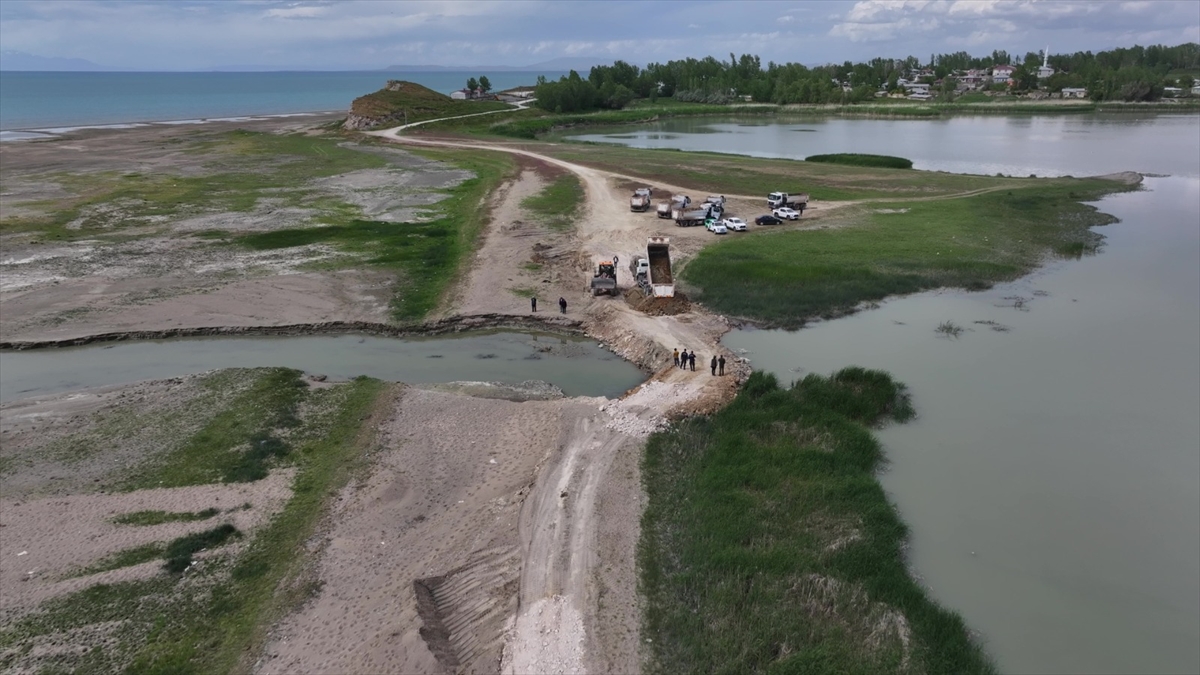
604 282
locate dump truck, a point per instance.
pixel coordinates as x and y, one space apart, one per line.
779 200
697 216
662 283
680 201
719 200
604 282
664 209
640 201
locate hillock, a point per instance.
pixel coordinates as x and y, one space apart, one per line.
402 102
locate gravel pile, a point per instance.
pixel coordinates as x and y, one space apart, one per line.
636 415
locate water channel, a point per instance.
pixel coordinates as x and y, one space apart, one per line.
578 366
1052 479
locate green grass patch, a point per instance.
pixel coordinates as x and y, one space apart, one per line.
126 558
558 203
238 443
856 159
179 552
784 278
214 617
715 173
768 545
147 518
427 257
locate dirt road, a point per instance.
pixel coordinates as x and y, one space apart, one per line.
577 608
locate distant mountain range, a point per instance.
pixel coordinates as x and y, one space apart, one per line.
582 64
12 60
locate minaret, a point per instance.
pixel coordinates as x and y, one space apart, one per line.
1046 57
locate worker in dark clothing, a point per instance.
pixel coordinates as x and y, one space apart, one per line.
676 358
533 304
562 305
721 365
713 364
683 360
692 360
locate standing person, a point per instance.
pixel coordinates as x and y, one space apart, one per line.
562 305
721 365
533 303
692 360
683 360
713 364
676 357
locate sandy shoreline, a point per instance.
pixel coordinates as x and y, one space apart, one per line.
49 132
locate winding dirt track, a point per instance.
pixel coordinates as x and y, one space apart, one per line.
558 626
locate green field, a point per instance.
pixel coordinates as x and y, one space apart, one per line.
768 545
558 203
782 278
857 159
715 173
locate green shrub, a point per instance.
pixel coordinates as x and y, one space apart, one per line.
856 159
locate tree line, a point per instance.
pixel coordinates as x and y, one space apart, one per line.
1134 73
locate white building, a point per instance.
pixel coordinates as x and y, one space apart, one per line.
1001 74
1074 92
460 95
1045 70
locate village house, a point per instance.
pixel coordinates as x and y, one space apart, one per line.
973 79
1074 92
1002 74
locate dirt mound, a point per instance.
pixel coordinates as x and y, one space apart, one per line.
657 306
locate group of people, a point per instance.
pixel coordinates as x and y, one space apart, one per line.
687 360
562 305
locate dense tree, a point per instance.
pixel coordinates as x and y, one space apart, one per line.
472 85
1135 73
485 85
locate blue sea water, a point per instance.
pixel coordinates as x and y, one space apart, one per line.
43 100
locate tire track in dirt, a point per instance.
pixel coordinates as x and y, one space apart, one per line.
558 626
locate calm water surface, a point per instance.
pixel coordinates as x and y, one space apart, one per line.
1052 479
579 367
30 100
1051 145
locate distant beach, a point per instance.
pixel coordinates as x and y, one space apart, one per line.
35 104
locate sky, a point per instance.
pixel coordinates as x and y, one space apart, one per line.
369 34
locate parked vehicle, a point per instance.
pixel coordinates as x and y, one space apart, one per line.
604 282
718 227
644 192
778 200
662 282
767 220
786 213
664 209
639 202
715 199
734 224
680 201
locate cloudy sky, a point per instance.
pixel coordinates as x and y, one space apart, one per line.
367 34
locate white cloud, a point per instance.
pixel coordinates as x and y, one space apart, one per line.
295 12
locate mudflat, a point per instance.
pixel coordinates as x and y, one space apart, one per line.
134 229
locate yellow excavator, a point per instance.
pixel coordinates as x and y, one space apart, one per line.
605 280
